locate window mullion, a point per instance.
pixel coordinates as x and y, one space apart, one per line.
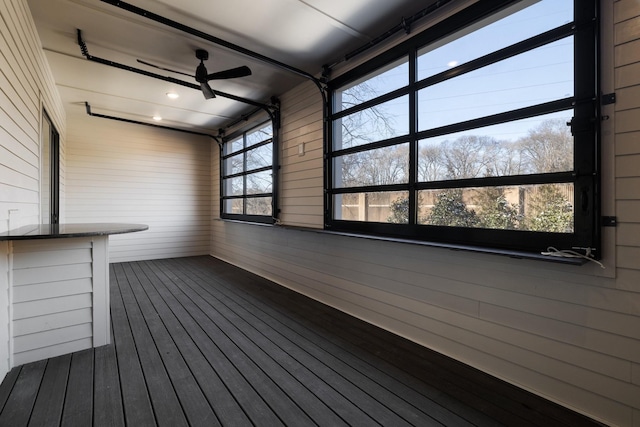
244 171
413 142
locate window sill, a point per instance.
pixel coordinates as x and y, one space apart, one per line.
474 249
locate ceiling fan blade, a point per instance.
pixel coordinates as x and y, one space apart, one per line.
230 74
162 68
207 91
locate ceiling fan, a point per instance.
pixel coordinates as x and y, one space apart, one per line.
203 77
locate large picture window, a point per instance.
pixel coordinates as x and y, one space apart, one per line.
248 175
482 132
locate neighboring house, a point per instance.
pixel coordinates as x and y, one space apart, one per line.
569 333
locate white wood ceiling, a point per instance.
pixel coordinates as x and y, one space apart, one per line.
302 33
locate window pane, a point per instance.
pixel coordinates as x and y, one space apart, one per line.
540 75
233 186
234 145
545 208
260 157
247 174
384 80
383 121
233 206
259 135
258 183
493 34
542 144
259 206
234 165
390 207
388 165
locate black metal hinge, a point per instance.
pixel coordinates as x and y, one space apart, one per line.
609 98
609 221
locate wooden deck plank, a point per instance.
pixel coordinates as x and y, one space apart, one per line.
194 404
135 396
227 408
232 378
473 407
470 390
363 396
197 341
425 370
17 410
386 346
263 353
78 403
7 385
49 404
313 396
283 406
484 397
302 318
497 399
165 402
376 378
107 398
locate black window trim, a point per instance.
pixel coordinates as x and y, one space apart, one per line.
585 104
54 170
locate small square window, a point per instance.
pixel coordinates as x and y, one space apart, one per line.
247 175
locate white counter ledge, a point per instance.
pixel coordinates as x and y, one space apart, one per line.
59 288
57 231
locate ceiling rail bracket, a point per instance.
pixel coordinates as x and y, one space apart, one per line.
137 122
85 53
189 30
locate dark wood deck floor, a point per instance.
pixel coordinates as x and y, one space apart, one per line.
199 342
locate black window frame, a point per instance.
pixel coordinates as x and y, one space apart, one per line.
584 127
54 170
224 155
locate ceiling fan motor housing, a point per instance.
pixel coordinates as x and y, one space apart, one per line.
202 54
201 71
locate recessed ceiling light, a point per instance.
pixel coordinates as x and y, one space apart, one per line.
157 118
452 63
172 95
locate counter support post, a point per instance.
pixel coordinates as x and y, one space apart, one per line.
101 315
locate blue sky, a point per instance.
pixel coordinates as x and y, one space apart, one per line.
537 76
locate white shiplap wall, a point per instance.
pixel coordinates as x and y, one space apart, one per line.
52 298
26 86
122 172
626 37
301 175
571 334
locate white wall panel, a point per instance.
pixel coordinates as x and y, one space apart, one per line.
26 86
52 297
301 175
122 172
568 333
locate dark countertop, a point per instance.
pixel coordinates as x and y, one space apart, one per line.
57 231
